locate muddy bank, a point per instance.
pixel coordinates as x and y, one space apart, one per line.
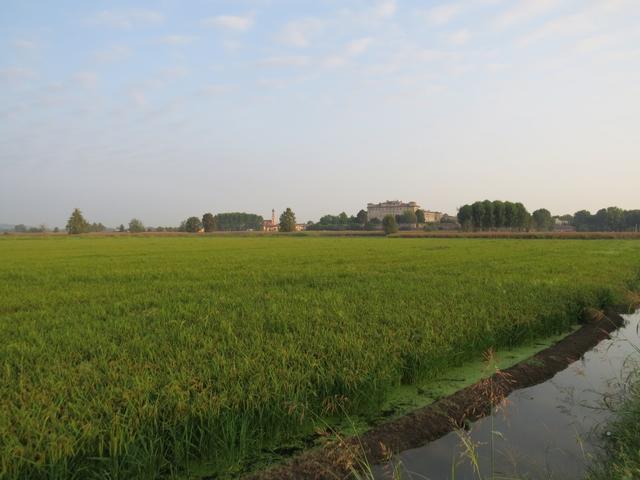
337 459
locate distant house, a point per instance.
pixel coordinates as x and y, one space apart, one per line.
432 217
300 227
270 225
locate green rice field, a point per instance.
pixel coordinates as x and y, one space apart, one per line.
138 357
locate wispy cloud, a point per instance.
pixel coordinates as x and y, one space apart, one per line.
564 26
459 38
384 9
299 33
524 11
358 46
177 40
237 23
286 61
115 53
24 44
16 74
443 14
127 19
86 79
350 50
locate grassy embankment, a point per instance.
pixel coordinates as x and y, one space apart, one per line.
134 357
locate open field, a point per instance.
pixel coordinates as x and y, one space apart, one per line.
134 356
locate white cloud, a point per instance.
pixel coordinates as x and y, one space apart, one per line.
460 37
24 44
230 22
16 74
351 49
214 90
127 19
334 61
299 33
524 11
174 73
115 53
358 46
86 79
565 26
443 14
286 61
384 9
138 97
177 40
593 43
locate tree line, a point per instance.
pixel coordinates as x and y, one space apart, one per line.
611 219
233 221
496 214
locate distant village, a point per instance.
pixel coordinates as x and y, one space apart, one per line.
391 215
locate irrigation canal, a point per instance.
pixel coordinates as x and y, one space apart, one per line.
550 430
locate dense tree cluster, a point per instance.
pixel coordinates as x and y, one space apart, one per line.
612 219
494 215
341 221
541 220
234 221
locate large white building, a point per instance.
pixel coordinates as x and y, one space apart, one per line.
390 207
396 207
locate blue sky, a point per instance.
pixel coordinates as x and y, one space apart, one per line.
162 110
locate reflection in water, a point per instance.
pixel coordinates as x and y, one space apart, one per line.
551 430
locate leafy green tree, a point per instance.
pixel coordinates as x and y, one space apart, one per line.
208 222
632 220
408 217
192 225
498 214
56 230
615 219
522 217
583 221
20 228
509 214
136 226
465 216
237 221
477 215
389 224
97 227
288 221
121 228
420 216
541 220
77 223
362 217
487 215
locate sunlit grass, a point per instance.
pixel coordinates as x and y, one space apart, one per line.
137 357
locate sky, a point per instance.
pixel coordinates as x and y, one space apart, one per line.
166 109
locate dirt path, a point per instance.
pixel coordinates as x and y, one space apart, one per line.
336 460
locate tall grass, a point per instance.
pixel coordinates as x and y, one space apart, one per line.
139 357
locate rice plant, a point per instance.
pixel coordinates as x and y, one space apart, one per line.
151 357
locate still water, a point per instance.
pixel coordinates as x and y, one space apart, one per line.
551 430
